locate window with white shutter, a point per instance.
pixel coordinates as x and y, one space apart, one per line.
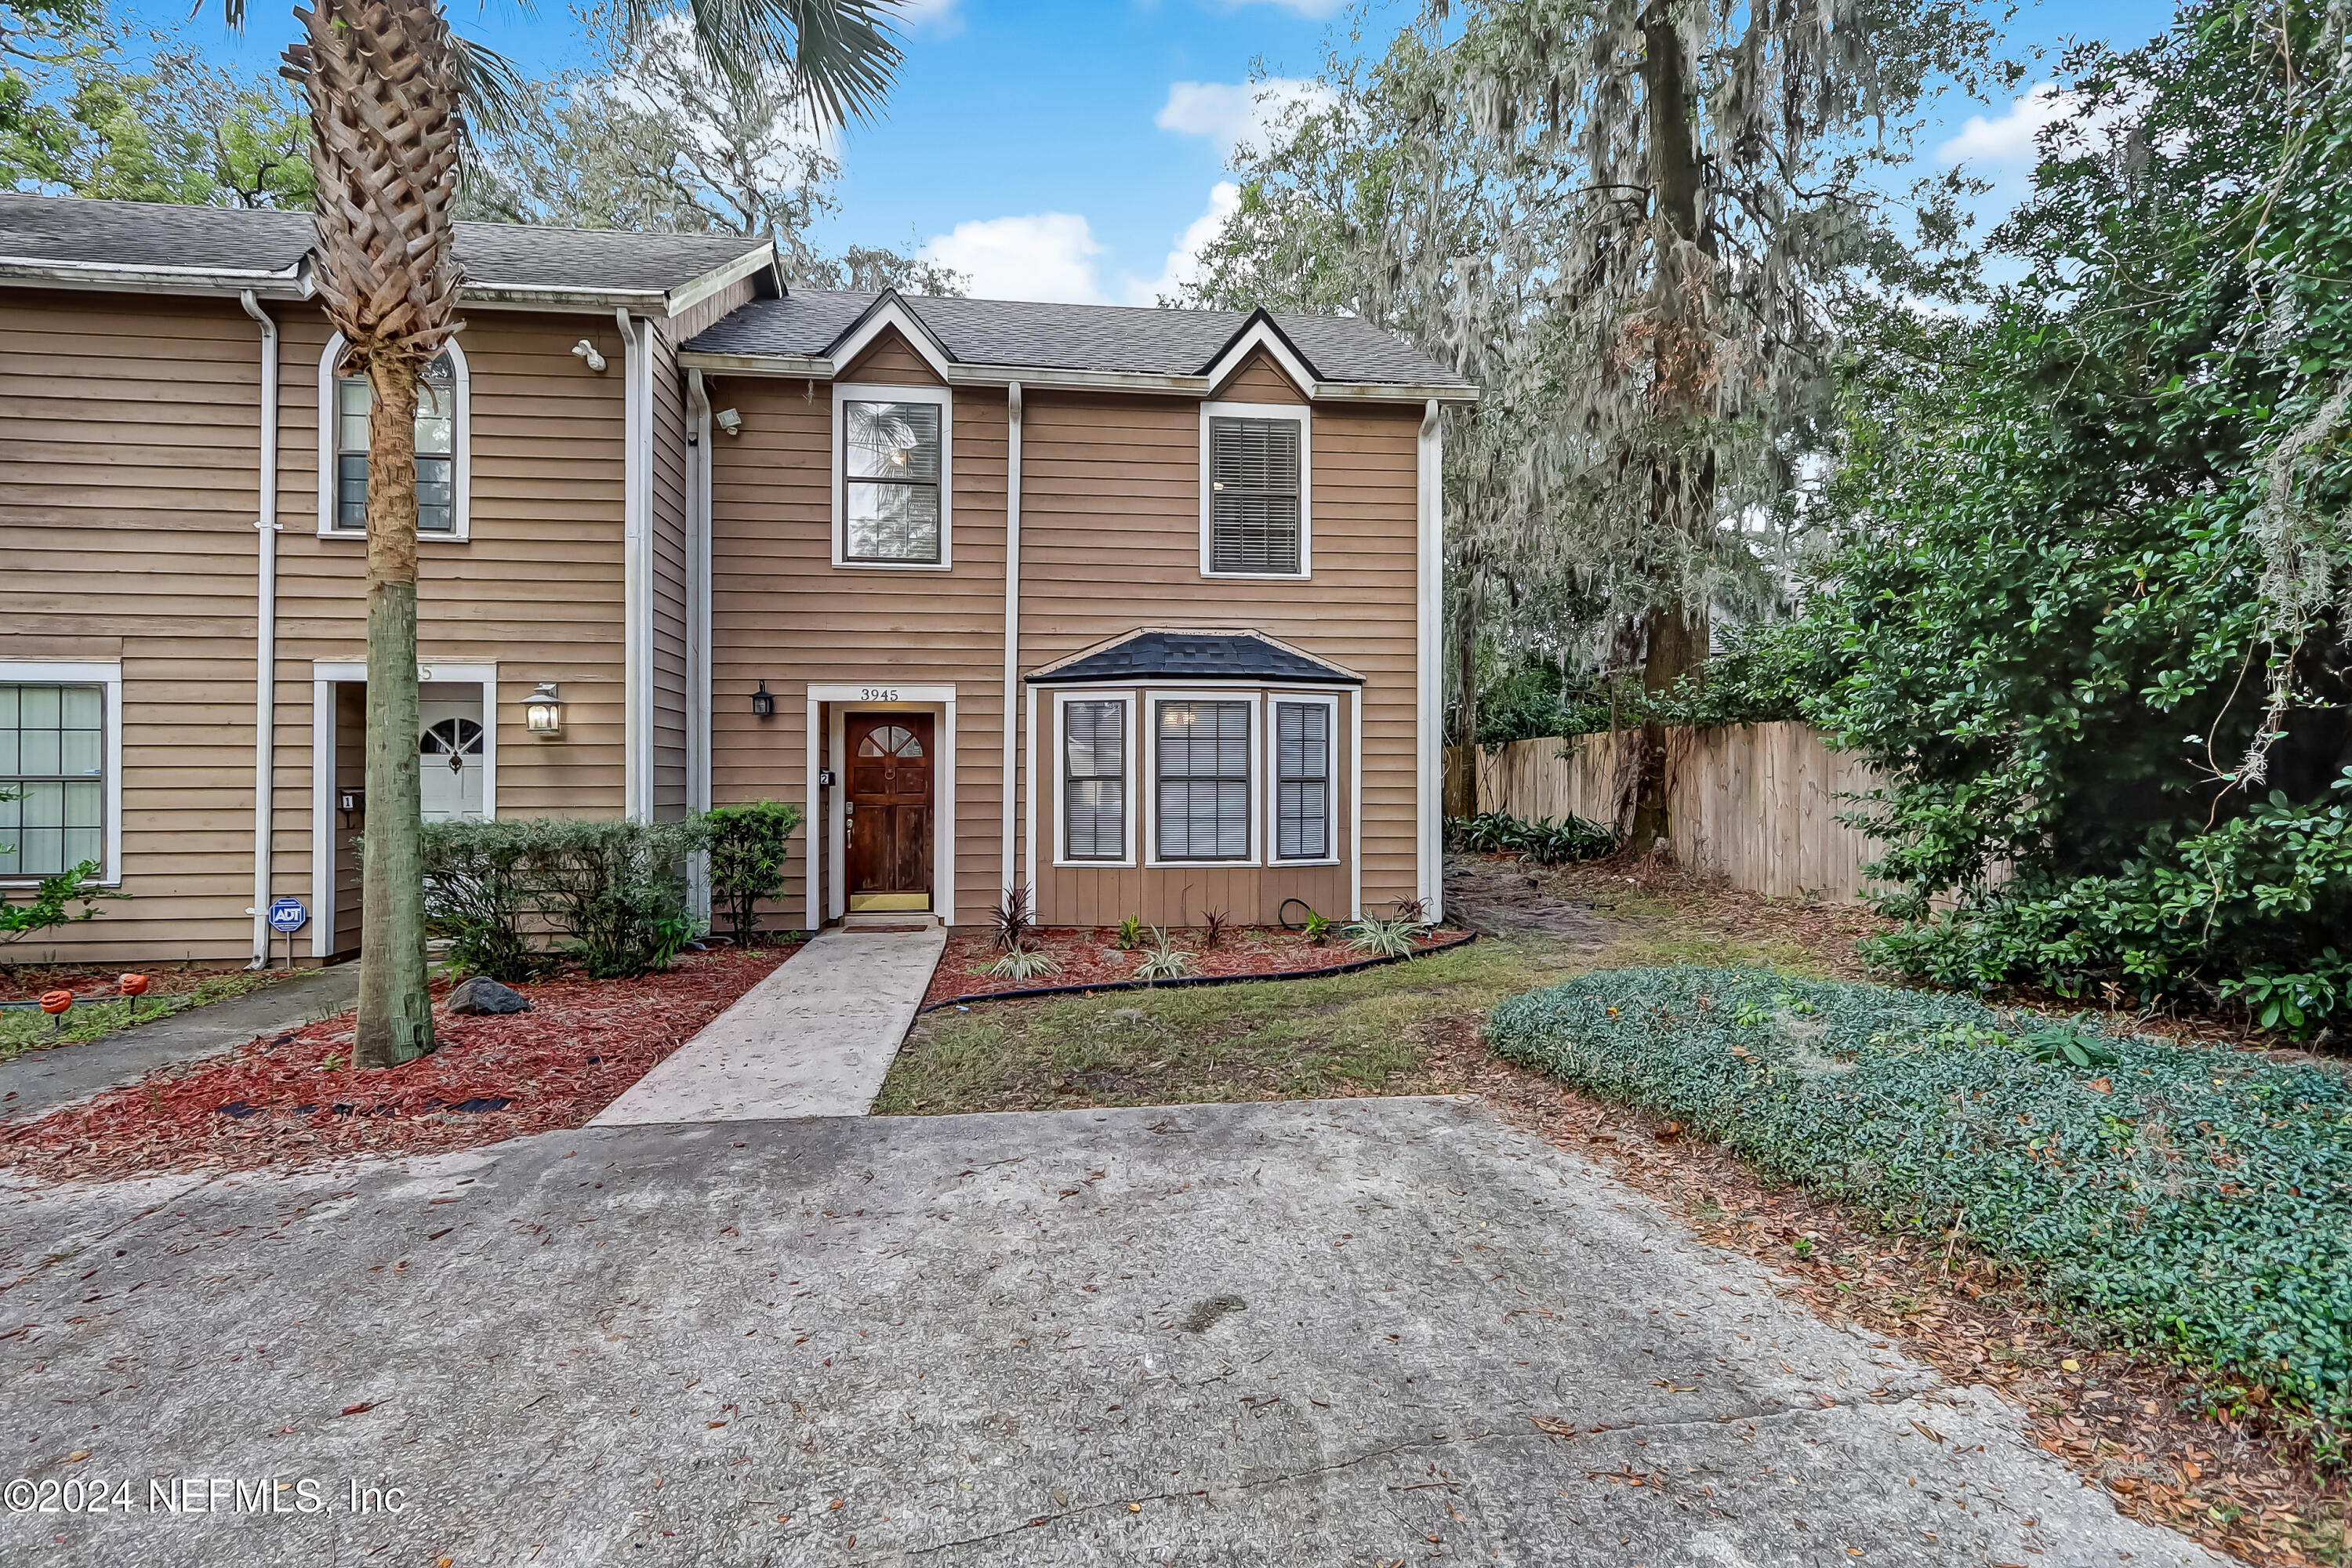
1255 514
1203 807
1302 775
1094 781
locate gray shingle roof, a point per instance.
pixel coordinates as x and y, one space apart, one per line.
1074 337
225 240
1197 656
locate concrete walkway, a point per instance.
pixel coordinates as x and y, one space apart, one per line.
1326 1335
40 1081
815 1039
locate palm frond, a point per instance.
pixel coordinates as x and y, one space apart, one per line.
496 94
844 54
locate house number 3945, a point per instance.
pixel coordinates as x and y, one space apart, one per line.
877 694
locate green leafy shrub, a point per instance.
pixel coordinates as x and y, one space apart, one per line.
614 893
1385 939
748 846
1131 934
1162 959
51 897
1024 964
1546 843
2201 1201
478 895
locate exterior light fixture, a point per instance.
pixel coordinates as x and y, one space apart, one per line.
730 423
763 706
587 352
542 712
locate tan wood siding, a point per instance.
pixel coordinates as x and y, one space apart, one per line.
1110 542
892 360
784 613
128 456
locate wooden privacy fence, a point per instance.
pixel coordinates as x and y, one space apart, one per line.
1756 805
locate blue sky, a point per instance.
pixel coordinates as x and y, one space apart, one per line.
1064 150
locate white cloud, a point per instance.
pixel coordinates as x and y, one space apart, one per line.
1183 263
941 18
1232 113
1999 146
1042 255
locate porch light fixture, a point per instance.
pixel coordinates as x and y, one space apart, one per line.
763 706
543 710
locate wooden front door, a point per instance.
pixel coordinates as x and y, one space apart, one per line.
889 805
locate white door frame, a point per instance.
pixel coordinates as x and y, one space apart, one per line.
324 675
939 700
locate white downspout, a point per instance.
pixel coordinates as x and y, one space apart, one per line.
698 627
698 530
1428 728
636 709
1011 624
264 611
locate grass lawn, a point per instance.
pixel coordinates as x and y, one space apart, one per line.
25 1029
1380 1031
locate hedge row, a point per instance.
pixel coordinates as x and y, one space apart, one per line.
2198 1200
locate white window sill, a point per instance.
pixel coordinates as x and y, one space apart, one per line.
893 567
358 536
1094 865
1286 864
1202 865
1262 577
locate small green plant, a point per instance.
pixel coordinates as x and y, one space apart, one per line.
1162 960
1385 939
46 909
1545 843
1802 1247
1131 934
1319 928
2069 1046
1014 920
748 846
1020 964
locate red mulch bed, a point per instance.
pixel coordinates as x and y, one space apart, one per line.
1089 955
292 1099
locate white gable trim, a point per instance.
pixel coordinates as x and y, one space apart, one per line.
891 313
1260 335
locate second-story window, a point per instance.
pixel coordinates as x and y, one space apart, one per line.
891 473
436 443
1255 511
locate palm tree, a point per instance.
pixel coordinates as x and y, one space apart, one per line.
387 83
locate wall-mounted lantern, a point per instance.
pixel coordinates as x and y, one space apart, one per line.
763 706
542 712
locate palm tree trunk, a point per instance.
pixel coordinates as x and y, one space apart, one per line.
381 79
395 1018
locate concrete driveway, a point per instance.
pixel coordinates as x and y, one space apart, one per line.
1353 1333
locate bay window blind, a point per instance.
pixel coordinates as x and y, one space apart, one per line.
1203 753
1094 781
1302 805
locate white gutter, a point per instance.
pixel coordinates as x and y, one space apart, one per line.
1428 859
817 367
637 573
1011 619
265 612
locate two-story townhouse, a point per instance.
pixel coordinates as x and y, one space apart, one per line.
1134 607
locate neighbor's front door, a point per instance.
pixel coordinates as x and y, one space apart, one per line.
889 805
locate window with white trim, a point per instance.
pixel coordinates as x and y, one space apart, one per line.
437 450
1302 781
1203 805
1094 780
53 766
893 466
1257 503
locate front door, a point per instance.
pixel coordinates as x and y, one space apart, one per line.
449 746
889 807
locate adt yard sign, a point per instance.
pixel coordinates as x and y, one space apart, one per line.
288 916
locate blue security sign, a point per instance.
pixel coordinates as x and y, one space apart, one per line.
288 916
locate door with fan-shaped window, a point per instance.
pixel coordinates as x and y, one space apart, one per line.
889 807
449 746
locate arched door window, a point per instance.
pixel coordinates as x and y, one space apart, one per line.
890 741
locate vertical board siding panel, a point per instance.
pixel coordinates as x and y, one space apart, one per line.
1755 804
